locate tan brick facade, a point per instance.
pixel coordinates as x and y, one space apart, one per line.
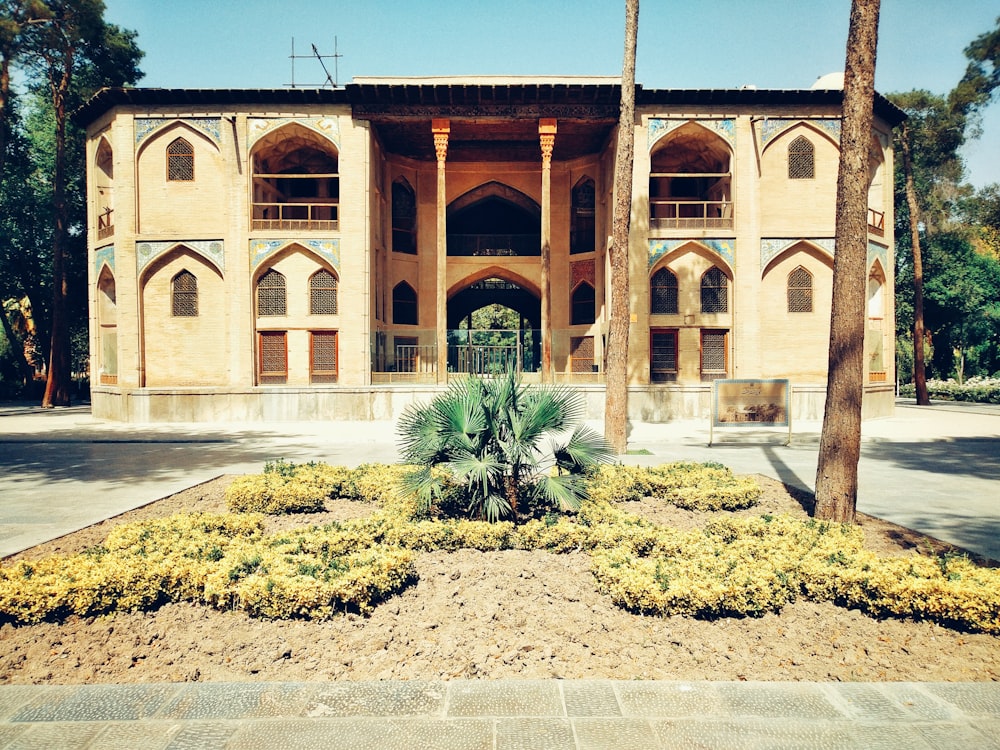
277 255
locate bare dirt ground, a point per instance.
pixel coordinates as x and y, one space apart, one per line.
492 615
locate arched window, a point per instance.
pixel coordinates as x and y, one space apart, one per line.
180 161
404 218
323 293
663 293
714 291
582 304
184 295
582 218
800 291
271 296
404 304
801 159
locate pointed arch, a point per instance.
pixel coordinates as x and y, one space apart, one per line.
180 160
404 217
582 217
799 285
107 327
498 272
184 295
497 190
582 304
404 305
690 180
801 159
323 288
272 296
776 256
104 158
663 292
714 291
877 331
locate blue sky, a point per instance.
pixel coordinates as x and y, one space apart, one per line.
718 44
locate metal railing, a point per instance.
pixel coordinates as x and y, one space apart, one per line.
296 216
674 214
494 245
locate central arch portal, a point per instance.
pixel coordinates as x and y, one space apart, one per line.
493 324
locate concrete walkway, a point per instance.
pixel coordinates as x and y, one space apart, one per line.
933 469
503 715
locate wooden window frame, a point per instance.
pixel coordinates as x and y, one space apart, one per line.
583 218
178 160
710 375
404 228
723 286
801 159
324 376
333 286
272 377
664 375
580 363
283 287
183 302
663 271
803 291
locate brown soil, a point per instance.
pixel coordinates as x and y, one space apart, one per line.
492 615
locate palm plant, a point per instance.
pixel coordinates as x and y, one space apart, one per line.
506 444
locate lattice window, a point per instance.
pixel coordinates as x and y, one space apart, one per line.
323 293
800 291
273 357
583 305
581 354
714 291
404 218
714 354
582 233
180 161
323 357
662 356
271 296
801 159
184 295
663 293
404 304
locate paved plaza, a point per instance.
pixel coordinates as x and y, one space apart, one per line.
933 469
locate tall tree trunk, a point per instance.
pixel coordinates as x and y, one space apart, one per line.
616 374
919 368
57 386
16 346
840 442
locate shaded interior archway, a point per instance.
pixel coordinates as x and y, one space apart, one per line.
494 220
480 344
690 180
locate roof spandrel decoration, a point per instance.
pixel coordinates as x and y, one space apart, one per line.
660 126
104 256
724 248
211 250
773 247
261 250
210 126
258 127
772 127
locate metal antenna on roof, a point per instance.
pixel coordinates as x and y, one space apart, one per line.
330 80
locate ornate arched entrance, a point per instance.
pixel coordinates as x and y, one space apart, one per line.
494 323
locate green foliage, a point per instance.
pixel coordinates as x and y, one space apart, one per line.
489 435
978 390
731 567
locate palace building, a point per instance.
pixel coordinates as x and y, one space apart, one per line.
289 254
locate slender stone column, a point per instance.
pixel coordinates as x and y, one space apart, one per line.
547 139
441 129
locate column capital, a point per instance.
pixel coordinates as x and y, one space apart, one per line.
547 138
441 129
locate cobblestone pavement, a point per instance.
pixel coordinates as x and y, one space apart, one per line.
502 715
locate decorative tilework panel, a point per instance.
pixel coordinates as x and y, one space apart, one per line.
772 248
211 250
104 255
771 127
877 251
261 250
258 127
210 126
582 271
659 127
725 249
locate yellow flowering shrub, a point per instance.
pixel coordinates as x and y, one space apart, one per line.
732 566
275 494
